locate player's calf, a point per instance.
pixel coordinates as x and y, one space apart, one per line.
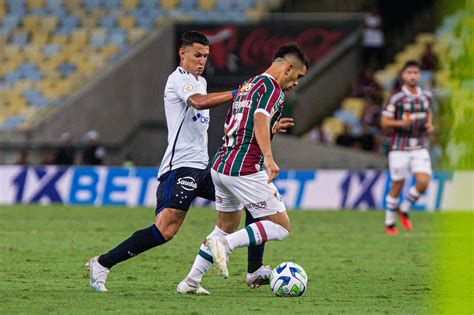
253 234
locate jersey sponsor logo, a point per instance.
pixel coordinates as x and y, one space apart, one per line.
187 183
414 116
242 104
201 118
187 88
256 205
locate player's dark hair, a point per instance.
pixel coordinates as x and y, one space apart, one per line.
188 38
411 63
291 49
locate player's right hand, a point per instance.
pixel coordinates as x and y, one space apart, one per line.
405 123
272 169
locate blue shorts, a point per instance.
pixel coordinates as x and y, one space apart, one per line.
178 188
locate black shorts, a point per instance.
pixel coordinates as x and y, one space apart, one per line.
178 188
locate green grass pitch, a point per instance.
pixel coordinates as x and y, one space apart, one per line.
353 267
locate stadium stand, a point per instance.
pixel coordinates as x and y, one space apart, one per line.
49 48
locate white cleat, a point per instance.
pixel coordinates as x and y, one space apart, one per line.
219 248
189 286
98 274
259 277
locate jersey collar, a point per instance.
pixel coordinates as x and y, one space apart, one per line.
269 75
418 91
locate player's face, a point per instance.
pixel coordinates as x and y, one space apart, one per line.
411 76
194 58
293 75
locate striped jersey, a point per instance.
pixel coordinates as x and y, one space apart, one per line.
187 126
405 105
240 154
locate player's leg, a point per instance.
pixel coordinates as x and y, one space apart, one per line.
257 273
398 165
264 203
421 167
227 221
165 227
172 204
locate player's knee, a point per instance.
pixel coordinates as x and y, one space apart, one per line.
422 184
168 232
227 227
283 232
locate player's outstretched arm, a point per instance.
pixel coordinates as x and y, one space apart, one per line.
201 101
262 134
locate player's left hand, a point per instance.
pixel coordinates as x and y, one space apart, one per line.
283 124
429 128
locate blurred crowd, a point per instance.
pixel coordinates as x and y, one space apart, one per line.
90 153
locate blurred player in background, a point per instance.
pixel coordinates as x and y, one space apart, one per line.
238 166
184 173
408 117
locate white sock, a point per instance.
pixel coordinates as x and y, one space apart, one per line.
256 234
412 196
203 260
390 212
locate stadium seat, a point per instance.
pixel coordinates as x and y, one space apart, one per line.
149 4
128 5
48 23
135 34
19 38
333 126
168 4
35 4
206 5
33 52
187 4
355 105
126 22
31 22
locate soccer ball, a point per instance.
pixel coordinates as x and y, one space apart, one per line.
288 279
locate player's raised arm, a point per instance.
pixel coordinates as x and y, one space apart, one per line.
262 134
201 101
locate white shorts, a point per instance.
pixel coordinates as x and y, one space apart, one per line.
250 191
400 162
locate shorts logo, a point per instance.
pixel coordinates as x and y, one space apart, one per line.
219 200
256 205
187 183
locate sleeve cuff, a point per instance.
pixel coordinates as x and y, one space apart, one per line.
387 114
260 110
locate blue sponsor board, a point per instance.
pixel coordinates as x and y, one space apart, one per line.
300 189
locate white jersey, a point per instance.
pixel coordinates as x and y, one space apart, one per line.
187 126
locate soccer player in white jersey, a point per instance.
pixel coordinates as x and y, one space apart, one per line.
238 166
184 173
408 118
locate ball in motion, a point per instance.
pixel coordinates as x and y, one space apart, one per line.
288 280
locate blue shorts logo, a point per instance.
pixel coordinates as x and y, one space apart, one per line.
187 183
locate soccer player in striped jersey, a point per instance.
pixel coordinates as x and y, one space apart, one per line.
408 118
184 172
238 166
